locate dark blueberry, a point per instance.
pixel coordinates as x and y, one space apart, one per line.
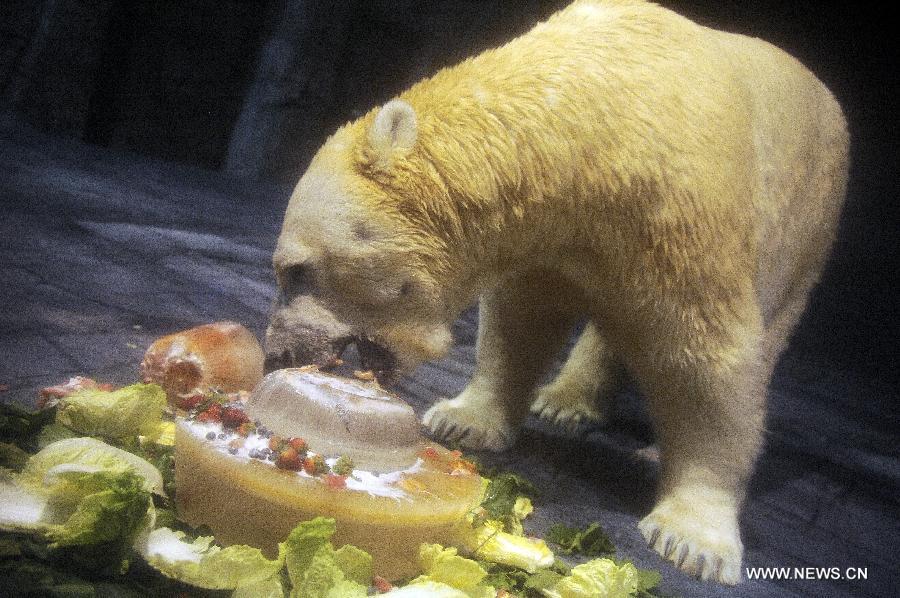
210 435
222 435
269 433
261 430
233 450
253 454
257 423
271 456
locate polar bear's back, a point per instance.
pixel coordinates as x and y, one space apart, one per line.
626 107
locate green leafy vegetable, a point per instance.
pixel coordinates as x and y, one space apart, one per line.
647 580
431 589
12 457
444 566
592 541
81 506
599 577
503 500
86 452
53 432
314 568
202 564
521 583
355 563
127 412
19 425
108 507
267 588
490 543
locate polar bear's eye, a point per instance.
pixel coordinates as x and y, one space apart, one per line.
297 279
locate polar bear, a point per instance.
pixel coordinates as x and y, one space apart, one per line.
678 186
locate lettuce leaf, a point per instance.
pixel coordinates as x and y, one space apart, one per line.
81 506
505 500
599 577
591 541
267 588
432 589
80 492
355 563
202 564
128 412
86 452
19 425
315 569
490 543
109 506
444 566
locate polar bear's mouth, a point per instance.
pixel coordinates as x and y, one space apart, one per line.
345 355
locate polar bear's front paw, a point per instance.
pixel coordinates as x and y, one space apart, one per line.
698 534
568 405
470 425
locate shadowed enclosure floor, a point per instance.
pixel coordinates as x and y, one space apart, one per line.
103 252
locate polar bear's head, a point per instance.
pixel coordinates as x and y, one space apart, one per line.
357 261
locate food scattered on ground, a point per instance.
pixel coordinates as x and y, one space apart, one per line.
591 541
78 510
221 355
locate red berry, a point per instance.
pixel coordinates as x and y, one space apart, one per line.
431 454
381 584
275 443
232 417
315 465
298 444
335 481
212 414
189 402
289 459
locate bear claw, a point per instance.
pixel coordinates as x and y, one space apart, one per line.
708 553
564 410
455 421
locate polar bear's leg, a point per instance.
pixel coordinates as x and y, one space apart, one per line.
708 406
521 329
584 388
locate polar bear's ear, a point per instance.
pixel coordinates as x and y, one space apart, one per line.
394 130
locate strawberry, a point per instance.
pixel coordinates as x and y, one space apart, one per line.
289 459
212 414
335 481
190 401
232 417
381 584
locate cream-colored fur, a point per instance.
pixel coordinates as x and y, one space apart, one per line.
678 186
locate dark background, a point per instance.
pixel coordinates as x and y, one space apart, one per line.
144 144
253 88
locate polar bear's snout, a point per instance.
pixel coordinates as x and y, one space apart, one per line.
302 331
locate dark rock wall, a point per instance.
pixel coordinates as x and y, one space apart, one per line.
161 78
51 58
327 63
174 75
